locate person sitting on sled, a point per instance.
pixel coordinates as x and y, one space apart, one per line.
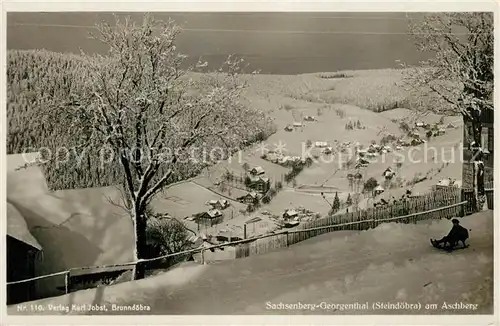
457 233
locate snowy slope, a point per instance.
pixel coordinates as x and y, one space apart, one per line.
392 263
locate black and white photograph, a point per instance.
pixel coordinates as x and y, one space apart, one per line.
249 163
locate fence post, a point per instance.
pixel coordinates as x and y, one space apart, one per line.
286 239
462 210
202 256
66 282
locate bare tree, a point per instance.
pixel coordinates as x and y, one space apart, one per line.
161 122
458 79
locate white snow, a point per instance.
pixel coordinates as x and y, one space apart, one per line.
392 263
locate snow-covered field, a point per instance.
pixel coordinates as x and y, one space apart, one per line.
393 263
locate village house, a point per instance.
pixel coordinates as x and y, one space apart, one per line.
361 152
297 124
378 190
309 118
249 198
260 184
290 214
211 217
362 161
446 183
288 128
388 173
321 144
358 176
258 170
328 150
228 236
23 251
218 204
283 160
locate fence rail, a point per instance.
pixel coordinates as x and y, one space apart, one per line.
435 205
287 238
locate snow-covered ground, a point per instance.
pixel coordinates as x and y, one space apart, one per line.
392 263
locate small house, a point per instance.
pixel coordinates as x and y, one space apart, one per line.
358 176
284 160
362 161
288 128
416 142
328 150
309 118
360 165
211 217
388 173
361 152
249 198
378 190
414 135
448 182
195 240
227 236
218 204
321 144
297 124
260 184
419 124
290 214
258 170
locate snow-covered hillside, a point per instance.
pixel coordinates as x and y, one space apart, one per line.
392 263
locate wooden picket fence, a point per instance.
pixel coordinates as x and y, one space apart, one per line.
442 203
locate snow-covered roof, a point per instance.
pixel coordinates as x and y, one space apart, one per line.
291 212
214 213
253 220
258 169
17 227
378 188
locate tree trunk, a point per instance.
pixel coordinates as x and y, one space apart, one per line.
477 168
140 243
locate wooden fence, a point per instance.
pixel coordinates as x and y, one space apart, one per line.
442 203
435 205
469 196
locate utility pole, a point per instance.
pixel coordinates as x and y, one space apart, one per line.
323 195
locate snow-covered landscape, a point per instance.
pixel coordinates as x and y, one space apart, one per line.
353 147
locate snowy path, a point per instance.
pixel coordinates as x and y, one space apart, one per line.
392 263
